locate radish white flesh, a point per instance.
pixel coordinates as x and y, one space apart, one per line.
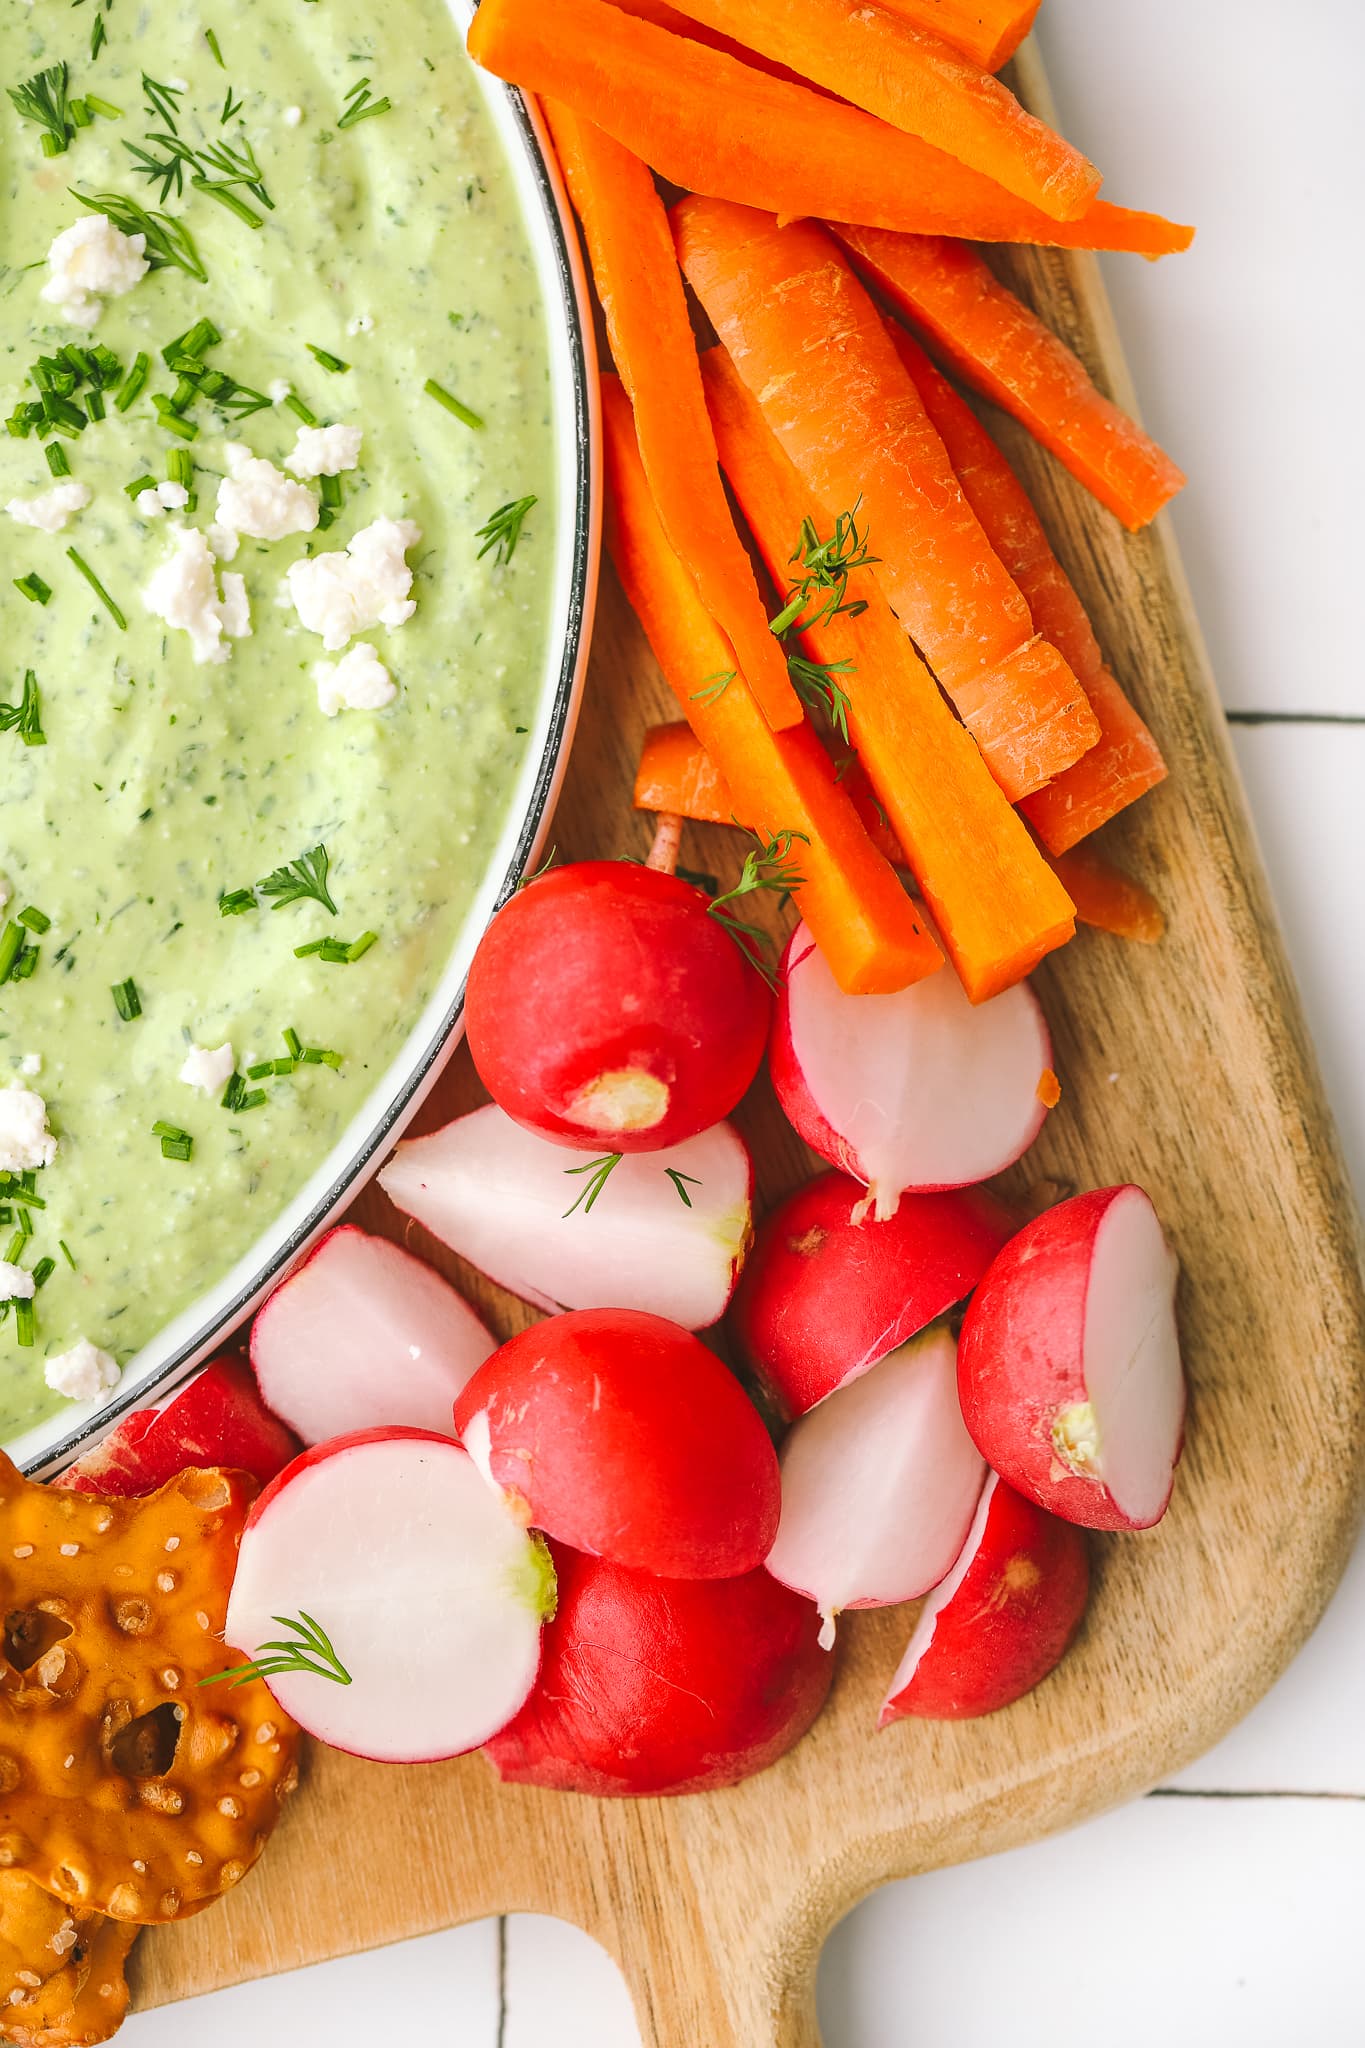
361 1336
431 1594
498 1195
923 1089
879 1484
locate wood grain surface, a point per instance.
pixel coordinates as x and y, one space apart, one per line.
1185 1067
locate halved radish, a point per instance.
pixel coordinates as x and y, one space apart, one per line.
879 1484
430 1594
1069 1365
653 1686
823 1296
918 1090
216 1419
608 1008
621 1434
363 1335
665 1232
1001 1620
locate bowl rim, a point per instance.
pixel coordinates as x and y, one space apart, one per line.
200 1330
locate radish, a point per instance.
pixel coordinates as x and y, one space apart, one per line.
664 1685
665 1232
879 1485
824 1296
362 1335
1001 1620
621 1434
1069 1367
918 1090
427 1594
608 1008
217 1419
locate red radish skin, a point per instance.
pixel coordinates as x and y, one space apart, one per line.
922 1090
363 1335
879 1485
432 1595
1002 1619
652 1686
608 1009
1069 1366
523 1211
218 1419
823 1296
622 1435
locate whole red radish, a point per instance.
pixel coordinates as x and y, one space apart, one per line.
609 1010
217 1419
1001 1620
661 1231
824 1296
879 1485
651 1686
1069 1364
923 1089
412 1599
622 1435
363 1335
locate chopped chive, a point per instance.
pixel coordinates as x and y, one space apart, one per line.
127 1001
6 1214
99 106
23 1310
80 113
134 383
180 468
300 410
33 587
24 967
79 562
327 359
171 419
313 946
330 492
43 1272
14 1249
358 948
11 946
57 459
25 1223
192 345
318 1056
65 1250
262 1068
231 200
234 1094
234 901
27 1199
183 396
34 920
283 1066
293 1041
62 414
175 1143
451 403
94 404
139 485
253 1099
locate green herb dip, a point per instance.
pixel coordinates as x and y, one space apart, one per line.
396 245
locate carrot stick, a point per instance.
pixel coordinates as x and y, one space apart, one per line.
676 776
996 906
636 272
878 60
862 919
663 15
1003 350
1126 761
988 30
721 127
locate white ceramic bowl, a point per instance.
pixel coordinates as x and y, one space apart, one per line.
194 1335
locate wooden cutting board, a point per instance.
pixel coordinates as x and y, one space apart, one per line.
1186 1068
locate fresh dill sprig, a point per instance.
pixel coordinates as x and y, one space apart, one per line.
99 36
309 1650
168 172
42 99
600 1172
672 1173
211 39
713 687
826 566
169 243
304 879
163 102
231 106
25 717
814 684
771 867
503 530
361 105
235 165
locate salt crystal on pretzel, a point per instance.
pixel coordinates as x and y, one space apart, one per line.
61 1974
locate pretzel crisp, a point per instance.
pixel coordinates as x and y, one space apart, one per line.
61 1973
125 1789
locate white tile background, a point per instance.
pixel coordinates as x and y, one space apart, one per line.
1226 1911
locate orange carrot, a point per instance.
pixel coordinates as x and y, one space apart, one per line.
636 272
1125 761
1004 351
988 30
663 15
875 58
1107 897
862 919
721 127
997 907
807 339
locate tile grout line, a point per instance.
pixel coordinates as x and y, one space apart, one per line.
1193 1792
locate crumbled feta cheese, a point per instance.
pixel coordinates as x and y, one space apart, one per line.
83 1373
92 261
25 1140
292 116
363 323
210 1071
50 512
223 541
358 682
257 499
31 1064
184 592
159 498
364 585
324 451
15 1283
279 390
